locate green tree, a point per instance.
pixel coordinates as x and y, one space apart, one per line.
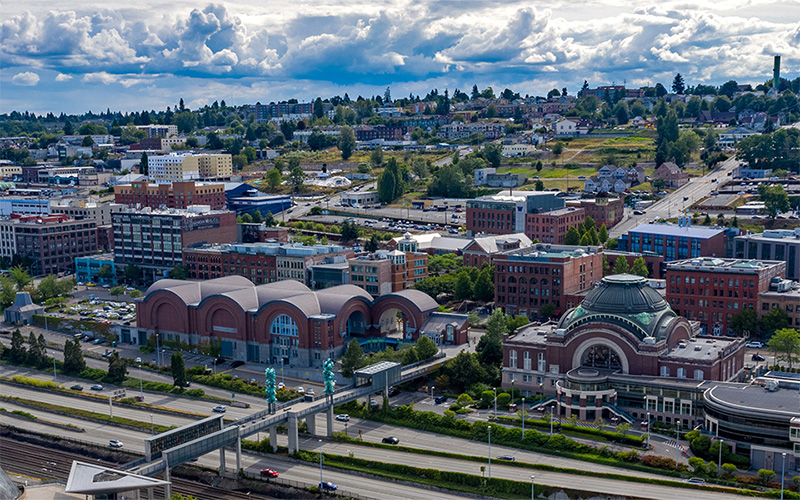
353 358
640 268
20 277
621 265
493 152
464 370
296 178
449 181
117 291
87 142
132 273
785 345
371 244
775 199
105 273
776 319
17 353
35 355
425 348
117 368
538 185
603 234
463 290
547 310
744 321
143 165
558 148
678 85
347 142
179 272
349 231
319 108
490 346
73 357
765 476
274 178
186 121
376 157
484 286
728 470
8 291
606 265
178 369
573 237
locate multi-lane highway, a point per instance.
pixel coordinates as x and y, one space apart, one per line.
676 202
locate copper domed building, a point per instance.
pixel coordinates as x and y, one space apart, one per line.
620 353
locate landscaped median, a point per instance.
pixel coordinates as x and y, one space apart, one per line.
576 430
24 415
87 415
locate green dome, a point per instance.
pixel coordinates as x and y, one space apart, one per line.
624 300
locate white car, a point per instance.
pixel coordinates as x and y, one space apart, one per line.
115 443
343 417
300 390
310 392
220 409
755 345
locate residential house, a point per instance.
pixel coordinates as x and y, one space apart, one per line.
672 174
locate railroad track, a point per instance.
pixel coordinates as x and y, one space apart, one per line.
43 463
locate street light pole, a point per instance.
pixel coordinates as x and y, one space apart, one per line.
648 429
55 381
141 388
719 460
495 402
551 421
523 418
490 452
158 352
532 497
677 442
320 463
783 471
151 425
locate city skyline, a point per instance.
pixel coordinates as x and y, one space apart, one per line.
84 56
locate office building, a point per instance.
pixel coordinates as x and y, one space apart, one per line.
388 271
24 206
81 209
179 194
52 242
772 244
676 241
187 166
538 214
89 269
602 210
711 290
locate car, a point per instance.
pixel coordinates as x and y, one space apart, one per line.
139 398
107 354
310 392
80 283
115 443
581 177
755 345
453 231
106 286
327 486
507 458
758 357
343 417
639 212
237 363
77 387
253 381
138 360
440 399
695 480
300 390
281 386
98 341
129 288
393 391
269 473
390 440
220 409
685 198
97 387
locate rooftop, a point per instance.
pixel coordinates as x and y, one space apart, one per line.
715 264
268 248
191 211
543 252
702 348
774 234
675 230
755 400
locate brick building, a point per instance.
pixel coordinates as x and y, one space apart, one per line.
552 226
260 262
384 272
782 294
772 244
608 211
51 241
528 279
153 240
260 233
484 249
180 194
711 291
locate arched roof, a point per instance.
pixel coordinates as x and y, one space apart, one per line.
421 300
333 299
194 292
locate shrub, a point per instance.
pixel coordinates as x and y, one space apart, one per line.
465 400
697 464
728 470
503 399
765 476
449 414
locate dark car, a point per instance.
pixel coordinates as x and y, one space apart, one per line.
393 391
440 399
77 387
219 360
390 440
507 458
757 357
327 486
237 363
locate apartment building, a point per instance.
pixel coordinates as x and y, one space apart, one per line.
676 241
772 244
187 166
52 242
179 194
78 208
384 272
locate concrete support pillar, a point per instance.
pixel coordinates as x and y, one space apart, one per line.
168 486
311 422
273 438
292 431
150 494
239 451
330 420
222 461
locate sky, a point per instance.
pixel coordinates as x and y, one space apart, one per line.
70 56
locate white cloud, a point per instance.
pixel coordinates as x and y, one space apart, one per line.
26 79
61 77
99 77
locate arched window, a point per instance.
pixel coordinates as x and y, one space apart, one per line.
534 281
600 356
284 325
512 279
698 374
523 281
544 281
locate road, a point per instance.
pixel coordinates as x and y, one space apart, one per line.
100 434
673 204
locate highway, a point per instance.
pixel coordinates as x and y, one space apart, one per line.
133 440
673 204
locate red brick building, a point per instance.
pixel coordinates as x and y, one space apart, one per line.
552 226
385 272
52 241
712 291
529 279
176 195
252 233
608 211
484 249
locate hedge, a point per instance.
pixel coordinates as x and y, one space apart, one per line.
76 326
567 428
227 382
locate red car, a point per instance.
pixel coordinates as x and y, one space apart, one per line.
269 473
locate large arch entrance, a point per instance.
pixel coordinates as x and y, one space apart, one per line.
284 340
356 324
393 322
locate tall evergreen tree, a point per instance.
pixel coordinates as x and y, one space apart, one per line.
640 268
352 359
178 370
621 266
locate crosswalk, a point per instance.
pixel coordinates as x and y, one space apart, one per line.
672 443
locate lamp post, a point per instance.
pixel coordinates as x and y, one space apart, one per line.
152 431
523 418
783 471
551 420
432 388
677 442
532 497
158 352
55 381
541 391
648 429
495 402
719 460
320 463
490 452
141 387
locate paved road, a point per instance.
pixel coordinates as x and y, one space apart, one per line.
100 434
673 204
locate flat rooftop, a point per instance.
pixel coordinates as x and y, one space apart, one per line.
715 264
532 334
756 399
675 230
701 348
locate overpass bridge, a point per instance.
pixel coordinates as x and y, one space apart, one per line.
170 449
